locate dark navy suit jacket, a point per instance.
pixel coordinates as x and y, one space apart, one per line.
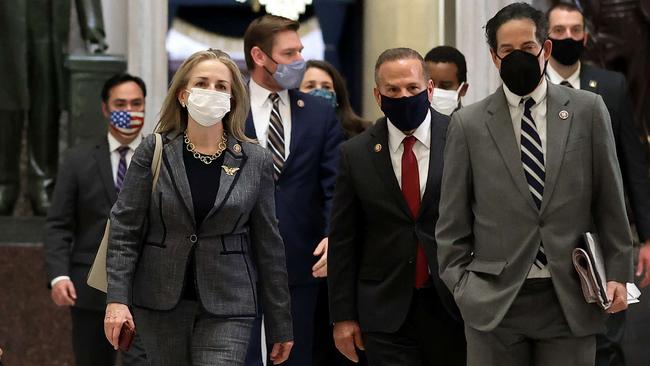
303 194
632 154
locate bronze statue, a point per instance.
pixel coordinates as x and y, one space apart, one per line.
621 40
33 38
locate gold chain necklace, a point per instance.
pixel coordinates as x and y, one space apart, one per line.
206 159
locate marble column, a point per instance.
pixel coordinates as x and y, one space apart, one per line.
471 17
115 23
146 53
417 24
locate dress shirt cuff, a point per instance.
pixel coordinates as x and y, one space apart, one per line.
59 279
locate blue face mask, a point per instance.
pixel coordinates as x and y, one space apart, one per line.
290 75
330 95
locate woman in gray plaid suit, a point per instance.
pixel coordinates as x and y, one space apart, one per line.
186 256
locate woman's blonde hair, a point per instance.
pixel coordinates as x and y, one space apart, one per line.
173 117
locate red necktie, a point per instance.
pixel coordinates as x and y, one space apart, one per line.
411 192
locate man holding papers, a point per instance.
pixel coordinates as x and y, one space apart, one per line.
527 171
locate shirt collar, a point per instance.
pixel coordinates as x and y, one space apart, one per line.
538 95
113 144
555 77
422 134
260 95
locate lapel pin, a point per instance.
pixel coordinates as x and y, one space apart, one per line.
563 114
378 148
593 83
237 148
300 103
229 170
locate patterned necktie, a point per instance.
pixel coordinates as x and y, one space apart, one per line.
566 83
121 168
276 136
532 159
411 192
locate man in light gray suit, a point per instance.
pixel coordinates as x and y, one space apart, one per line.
527 171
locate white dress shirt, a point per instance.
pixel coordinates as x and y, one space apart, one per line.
555 78
421 149
261 107
113 145
538 112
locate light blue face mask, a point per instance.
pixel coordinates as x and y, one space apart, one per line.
330 95
290 75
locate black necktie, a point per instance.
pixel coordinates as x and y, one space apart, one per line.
566 83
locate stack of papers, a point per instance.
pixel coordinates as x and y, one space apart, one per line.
633 293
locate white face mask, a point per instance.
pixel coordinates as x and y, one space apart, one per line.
445 101
207 107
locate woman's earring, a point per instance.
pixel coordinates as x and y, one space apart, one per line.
183 104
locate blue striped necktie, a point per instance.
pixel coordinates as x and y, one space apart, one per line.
532 158
121 168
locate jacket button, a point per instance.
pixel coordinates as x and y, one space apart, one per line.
193 239
541 223
411 260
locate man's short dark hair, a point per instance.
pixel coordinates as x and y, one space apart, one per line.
512 12
400 53
448 54
118 79
566 7
261 33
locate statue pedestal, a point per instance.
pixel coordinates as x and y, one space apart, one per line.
87 74
33 331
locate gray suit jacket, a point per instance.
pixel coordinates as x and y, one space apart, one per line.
489 228
152 234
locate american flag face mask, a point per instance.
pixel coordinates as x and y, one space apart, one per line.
126 123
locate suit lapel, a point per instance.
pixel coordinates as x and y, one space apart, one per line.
173 159
435 162
234 160
557 131
499 124
383 164
102 157
587 80
298 126
250 127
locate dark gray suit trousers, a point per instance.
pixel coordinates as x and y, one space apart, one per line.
534 332
189 336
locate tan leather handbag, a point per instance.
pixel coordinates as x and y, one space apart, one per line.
97 275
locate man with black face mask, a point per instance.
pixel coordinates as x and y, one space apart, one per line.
528 170
568 34
385 293
303 134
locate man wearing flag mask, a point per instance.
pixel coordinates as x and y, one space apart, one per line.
88 182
